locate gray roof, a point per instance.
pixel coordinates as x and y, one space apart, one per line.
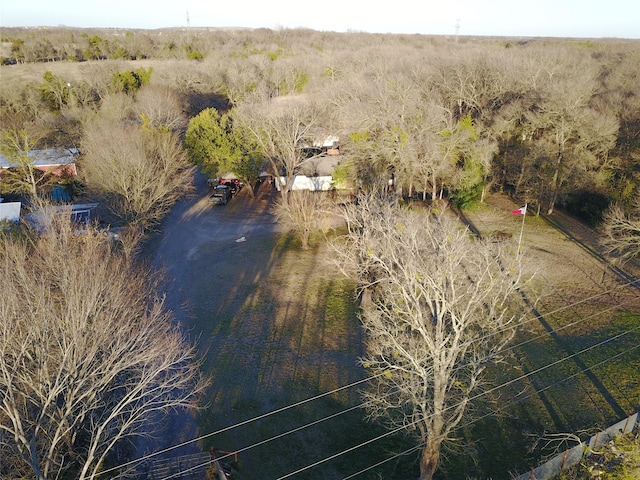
323 165
44 158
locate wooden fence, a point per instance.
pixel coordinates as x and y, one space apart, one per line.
573 456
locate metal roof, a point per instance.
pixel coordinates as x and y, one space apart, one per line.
44 158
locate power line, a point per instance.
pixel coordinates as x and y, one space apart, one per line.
555 330
510 404
355 447
245 422
302 427
332 416
382 462
475 397
362 405
396 430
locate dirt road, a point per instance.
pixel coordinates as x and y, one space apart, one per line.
195 243
275 325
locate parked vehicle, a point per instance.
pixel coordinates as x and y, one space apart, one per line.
233 183
221 195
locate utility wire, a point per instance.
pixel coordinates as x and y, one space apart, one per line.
245 422
363 405
145 457
382 462
548 333
509 382
396 430
320 396
560 309
493 412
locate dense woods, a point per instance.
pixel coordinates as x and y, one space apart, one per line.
554 122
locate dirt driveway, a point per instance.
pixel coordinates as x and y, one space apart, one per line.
274 324
196 243
194 223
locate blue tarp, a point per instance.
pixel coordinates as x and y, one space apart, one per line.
60 194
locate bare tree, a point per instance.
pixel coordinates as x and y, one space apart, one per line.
241 79
569 136
380 114
622 231
282 127
142 171
440 310
303 213
19 146
88 352
20 102
160 106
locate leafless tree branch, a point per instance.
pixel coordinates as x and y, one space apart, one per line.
87 352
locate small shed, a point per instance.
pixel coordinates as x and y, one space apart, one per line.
10 211
80 213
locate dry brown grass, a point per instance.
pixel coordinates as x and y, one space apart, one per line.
562 269
163 69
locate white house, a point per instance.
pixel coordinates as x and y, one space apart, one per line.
302 182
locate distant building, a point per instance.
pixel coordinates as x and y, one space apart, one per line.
54 161
314 174
320 142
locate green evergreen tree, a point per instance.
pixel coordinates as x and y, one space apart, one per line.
219 147
54 91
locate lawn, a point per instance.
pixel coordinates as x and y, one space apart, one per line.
280 330
278 335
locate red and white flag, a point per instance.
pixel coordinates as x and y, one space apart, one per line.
520 211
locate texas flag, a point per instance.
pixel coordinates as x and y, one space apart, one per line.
520 211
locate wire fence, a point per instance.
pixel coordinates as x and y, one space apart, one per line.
573 455
184 467
196 466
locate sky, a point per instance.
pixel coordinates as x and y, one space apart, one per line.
520 18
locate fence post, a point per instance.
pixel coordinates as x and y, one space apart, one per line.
624 429
564 459
595 441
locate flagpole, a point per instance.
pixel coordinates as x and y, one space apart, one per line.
524 215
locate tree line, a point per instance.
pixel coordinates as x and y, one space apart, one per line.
552 122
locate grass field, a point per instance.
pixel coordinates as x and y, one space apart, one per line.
289 337
285 329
